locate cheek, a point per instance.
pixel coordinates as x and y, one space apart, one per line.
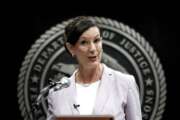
99 47
81 51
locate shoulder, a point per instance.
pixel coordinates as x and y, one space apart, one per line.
119 77
53 93
125 81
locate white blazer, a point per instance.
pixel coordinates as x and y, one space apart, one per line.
117 95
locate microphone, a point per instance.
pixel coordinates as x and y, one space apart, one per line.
76 106
63 83
55 86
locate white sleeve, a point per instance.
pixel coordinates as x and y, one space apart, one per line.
133 106
50 115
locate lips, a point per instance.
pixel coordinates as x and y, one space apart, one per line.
92 58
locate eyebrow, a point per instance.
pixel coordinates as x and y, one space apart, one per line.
98 35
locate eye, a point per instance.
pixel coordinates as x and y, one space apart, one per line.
83 42
97 40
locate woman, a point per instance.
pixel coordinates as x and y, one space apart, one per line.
95 88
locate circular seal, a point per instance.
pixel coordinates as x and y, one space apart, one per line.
124 50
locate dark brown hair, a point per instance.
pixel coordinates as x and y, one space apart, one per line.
76 27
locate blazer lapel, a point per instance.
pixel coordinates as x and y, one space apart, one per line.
104 90
72 95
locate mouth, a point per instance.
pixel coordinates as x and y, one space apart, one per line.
92 58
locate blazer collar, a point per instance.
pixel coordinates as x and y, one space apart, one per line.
72 94
104 90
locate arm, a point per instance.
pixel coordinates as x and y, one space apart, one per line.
50 115
133 107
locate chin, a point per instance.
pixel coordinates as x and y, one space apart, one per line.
93 64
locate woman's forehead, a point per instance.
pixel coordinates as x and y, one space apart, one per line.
90 33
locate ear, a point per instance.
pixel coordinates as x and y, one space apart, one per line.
70 48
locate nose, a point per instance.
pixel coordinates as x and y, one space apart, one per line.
92 47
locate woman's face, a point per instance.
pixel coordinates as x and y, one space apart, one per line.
88 49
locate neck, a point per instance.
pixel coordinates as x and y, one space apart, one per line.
89 75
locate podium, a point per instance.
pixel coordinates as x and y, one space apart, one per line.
86 117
